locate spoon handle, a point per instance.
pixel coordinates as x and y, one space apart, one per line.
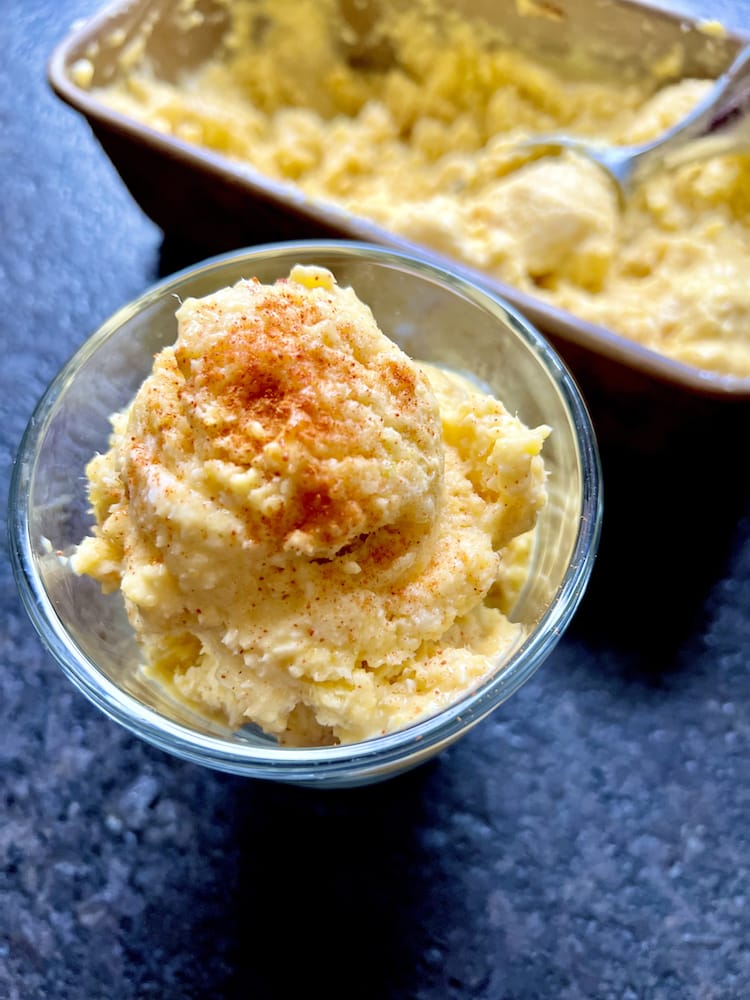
728 88
723 113
734 102
734 93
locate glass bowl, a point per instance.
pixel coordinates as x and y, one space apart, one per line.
435 316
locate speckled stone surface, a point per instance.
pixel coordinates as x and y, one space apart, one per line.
590 840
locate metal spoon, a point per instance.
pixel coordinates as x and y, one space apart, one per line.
718 124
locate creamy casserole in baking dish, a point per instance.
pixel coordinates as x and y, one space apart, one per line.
402 123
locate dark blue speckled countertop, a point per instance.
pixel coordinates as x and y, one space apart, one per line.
589 840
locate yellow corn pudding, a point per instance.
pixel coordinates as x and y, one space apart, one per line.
312 532
415 124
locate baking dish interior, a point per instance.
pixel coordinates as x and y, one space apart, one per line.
234 205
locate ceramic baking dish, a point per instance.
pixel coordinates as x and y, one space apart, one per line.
233 205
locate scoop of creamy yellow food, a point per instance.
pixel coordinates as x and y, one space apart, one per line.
417 122
312 532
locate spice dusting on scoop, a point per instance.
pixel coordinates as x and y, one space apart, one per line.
311 531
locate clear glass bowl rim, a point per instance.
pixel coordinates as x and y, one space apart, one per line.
317 763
